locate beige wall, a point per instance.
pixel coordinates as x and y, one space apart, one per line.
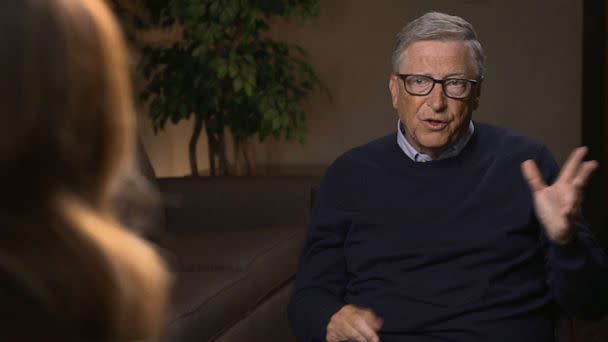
533 78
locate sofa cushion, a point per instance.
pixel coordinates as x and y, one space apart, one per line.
233 243
222 277
268 257
207 303
235 250
268 322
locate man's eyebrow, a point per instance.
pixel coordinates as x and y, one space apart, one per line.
456 74
450 75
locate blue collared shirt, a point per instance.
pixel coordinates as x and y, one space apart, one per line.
416 156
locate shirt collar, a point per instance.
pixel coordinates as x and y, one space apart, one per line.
416 156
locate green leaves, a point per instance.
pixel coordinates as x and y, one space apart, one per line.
227 71
233 69
237 84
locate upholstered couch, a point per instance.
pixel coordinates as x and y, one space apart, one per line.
233 244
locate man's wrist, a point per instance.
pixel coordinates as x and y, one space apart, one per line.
566 237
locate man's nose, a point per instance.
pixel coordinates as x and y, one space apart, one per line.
437 99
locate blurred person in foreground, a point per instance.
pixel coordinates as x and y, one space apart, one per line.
447 229
68 269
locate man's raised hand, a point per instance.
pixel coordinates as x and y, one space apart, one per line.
556 205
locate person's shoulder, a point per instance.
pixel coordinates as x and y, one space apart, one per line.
509 146
505 139
355 162
368 152
375 147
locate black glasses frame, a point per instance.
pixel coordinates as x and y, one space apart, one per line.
442 82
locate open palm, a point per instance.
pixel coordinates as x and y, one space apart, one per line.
556 205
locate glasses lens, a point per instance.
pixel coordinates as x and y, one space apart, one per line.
458 88
419 85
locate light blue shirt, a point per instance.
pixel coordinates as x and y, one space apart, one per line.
416 156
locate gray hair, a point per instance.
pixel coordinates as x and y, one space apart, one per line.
439 26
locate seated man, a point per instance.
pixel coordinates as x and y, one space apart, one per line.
448 229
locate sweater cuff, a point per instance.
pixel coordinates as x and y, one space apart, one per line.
568 256
310 313
325 314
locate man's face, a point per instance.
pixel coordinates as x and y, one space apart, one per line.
435 122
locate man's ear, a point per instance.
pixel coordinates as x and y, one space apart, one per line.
477 94
393 87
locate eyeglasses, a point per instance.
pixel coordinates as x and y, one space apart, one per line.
421 85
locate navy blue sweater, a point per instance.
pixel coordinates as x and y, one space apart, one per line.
447 250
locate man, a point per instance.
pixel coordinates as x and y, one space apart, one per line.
448 229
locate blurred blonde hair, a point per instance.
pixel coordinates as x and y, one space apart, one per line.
66 142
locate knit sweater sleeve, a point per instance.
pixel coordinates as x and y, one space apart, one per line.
322 277
577 271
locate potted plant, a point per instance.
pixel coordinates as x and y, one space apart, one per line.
214 61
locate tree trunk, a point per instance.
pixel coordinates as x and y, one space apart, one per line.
218 162
222 154
237 168
248 148
244 157
196 133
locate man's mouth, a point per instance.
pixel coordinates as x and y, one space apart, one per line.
436 124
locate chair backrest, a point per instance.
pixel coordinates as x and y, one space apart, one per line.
236 203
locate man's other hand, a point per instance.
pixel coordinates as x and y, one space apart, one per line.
352 323
557 204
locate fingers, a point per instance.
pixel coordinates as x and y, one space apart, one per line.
374 321
364 331
353 323
359 333
348 332
532 175
586 169
574 171
572 165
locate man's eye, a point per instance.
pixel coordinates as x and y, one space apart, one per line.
420 81
455 82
